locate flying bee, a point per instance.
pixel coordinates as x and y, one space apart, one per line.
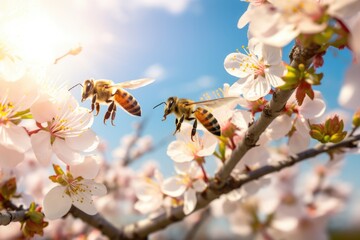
186 109
107 92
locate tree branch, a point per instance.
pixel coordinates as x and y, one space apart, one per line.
298 55
143 228
6 217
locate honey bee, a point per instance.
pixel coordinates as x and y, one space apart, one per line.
186 109
107 92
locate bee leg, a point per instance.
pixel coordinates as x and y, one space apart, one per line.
193 130
93 101
109 111
97 105
178 124
113 114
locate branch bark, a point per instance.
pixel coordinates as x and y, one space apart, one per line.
143 228
6 217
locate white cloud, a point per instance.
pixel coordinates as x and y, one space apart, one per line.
201 83
172 6
155 71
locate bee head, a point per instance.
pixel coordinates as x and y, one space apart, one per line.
87 89
169 106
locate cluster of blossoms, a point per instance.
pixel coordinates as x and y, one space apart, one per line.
41 121
46 124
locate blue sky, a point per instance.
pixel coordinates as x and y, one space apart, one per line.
184 42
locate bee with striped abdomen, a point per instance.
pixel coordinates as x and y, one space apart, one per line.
186 109
107 92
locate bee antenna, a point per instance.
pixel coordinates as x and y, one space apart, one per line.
75 86
159 104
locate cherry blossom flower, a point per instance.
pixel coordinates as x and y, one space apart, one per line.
76 187
282 21
260 69
63 129
186 150
246 17
14 107
149 194
186 183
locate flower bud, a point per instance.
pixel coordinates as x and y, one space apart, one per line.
356 119
330 131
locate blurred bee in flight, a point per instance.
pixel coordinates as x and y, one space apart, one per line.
186 109
109 93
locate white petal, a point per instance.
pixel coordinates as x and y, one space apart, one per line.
209 145
241 119
199 185
94 188
272 55
15 136
279 127
84 202
56 203
245 18
42 147
43 110
85 142
234 63
312 108
64 153
298 141
88 168
189 201
253 89
10 157
173 187
236 88
179 152
274 73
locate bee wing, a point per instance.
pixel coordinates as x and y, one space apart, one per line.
133 84
214 103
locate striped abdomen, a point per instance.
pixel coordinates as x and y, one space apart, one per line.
127 102
208 120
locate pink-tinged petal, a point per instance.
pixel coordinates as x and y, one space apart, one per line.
236 88
84 202
56 203
150 205
274 73
280 37
234 64
88 168
344 8
64 153
245 18
94 188
10 157
298 141
173 187
43 109
85 142
349 96
199 185
242 119
42 147
355 35
307 26
312 108
272 55
209 145
190 201
183 168
279 127
253 89
15 136
179 152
